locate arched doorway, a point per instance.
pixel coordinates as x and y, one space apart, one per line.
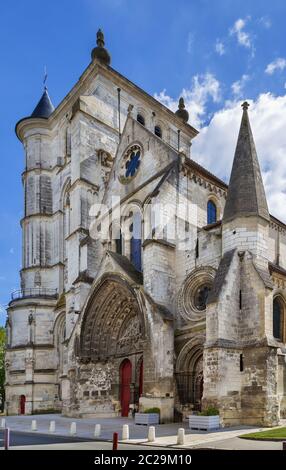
111 346
125 382
189 375
198 383
22 403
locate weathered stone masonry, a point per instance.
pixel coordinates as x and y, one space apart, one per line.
101 327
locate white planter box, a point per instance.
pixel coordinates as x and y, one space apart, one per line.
146 418
204 422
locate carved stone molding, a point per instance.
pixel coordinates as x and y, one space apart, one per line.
188 307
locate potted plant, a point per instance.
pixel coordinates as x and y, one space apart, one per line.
148 417
206 420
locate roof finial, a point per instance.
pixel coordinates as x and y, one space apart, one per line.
245 106
45 77
181 111
99 52
100 38
181 103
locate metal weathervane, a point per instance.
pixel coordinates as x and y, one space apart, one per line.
45 77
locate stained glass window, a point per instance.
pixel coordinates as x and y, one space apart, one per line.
277 319
212 212
132 164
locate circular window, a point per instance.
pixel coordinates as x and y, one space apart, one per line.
130 164
193 296
201 297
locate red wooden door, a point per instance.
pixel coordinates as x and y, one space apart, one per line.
125 375
22 404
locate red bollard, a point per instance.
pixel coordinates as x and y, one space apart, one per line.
6 439
115 441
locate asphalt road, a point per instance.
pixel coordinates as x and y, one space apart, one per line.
24 439
41 441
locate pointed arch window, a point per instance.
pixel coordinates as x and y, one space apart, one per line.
135 241
118 243
212 212
278 318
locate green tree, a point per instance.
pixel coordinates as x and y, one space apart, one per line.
2 366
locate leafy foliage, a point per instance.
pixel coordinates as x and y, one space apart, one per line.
152 410
210 411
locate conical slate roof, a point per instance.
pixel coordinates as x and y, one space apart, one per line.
246 195
44 108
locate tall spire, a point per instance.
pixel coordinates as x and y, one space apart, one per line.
99 52
246 195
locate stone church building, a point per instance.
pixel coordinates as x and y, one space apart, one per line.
118 311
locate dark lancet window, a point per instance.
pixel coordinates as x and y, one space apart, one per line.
241 365
141 119
197 249
135 242
158 131
212 212
277 319
118 243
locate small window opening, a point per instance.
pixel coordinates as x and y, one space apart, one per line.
141 119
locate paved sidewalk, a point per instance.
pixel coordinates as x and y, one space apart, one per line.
166 434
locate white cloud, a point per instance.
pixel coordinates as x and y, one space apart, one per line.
2 309
242 36
265 22
219 47
204 88
237 87
215 145
277 64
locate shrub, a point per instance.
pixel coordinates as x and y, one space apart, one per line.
210 411
152 410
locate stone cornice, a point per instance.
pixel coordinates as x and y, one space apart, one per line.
84 181
20 347
164 243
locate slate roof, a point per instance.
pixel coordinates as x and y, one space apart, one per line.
127 266
277 269
265 277
220 276
246 195
44 107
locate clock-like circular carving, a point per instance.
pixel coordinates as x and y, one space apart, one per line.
130 164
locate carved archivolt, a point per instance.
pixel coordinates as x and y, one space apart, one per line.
190 304
113 323
190 352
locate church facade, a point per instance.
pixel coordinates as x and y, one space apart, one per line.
146 280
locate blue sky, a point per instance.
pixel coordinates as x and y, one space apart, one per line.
214 52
